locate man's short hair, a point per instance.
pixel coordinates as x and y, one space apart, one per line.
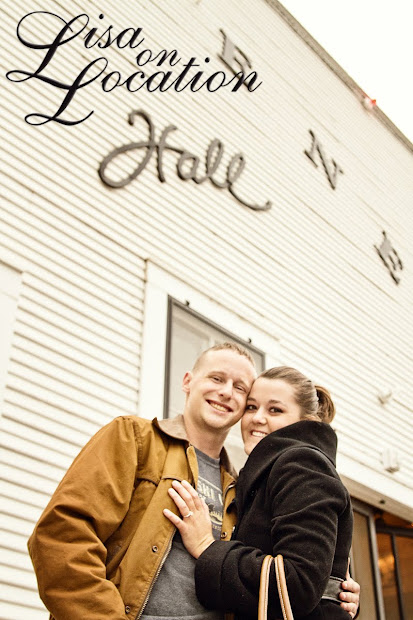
225 346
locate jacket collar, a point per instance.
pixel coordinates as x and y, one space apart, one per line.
175 427
306 433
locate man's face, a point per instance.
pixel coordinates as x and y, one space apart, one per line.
217 390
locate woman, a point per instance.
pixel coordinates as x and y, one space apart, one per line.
290 500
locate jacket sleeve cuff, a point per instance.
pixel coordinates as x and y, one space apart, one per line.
208 569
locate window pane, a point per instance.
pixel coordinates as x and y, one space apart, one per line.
388 577
187 343
405 554
362 570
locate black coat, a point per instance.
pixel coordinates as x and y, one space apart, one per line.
290 500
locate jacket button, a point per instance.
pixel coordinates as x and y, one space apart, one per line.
223 534
127 609
155 549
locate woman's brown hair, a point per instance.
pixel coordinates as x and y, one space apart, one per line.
314 401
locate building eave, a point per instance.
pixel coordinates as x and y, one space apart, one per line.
337 69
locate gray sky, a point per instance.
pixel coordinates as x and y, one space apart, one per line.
372 40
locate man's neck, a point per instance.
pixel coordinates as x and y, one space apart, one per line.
209 442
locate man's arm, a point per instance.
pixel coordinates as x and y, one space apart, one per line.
67 546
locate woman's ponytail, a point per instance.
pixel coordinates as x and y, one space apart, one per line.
326 409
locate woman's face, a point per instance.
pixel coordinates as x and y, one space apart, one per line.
271 405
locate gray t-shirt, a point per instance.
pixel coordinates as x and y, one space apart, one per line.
173 595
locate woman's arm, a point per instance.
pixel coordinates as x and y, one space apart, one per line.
242 564
195 526
303 502
311 524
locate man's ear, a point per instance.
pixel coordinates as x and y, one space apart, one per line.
186 381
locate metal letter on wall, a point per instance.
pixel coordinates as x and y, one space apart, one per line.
234 58
390 257
331 171
188 165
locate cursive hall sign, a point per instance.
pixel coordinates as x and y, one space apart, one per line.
187 164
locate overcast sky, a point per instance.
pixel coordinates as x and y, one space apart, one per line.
373 42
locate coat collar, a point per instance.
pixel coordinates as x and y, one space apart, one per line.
175 427
305 433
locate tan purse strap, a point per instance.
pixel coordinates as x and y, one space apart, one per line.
263 593
264 581
282 588
281 585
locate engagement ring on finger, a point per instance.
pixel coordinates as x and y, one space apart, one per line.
190 513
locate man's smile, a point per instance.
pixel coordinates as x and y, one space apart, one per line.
219 406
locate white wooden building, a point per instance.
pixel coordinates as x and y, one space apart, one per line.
108 293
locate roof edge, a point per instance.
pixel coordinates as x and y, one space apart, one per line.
337 69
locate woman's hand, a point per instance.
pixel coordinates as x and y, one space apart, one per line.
195 526
351 596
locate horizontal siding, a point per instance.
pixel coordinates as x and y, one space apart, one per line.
305 272
75 357
24 602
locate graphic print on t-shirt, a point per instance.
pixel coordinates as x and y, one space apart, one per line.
213 498
209 488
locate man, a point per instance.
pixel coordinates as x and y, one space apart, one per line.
102 548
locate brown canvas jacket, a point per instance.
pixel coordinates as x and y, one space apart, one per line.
102 540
